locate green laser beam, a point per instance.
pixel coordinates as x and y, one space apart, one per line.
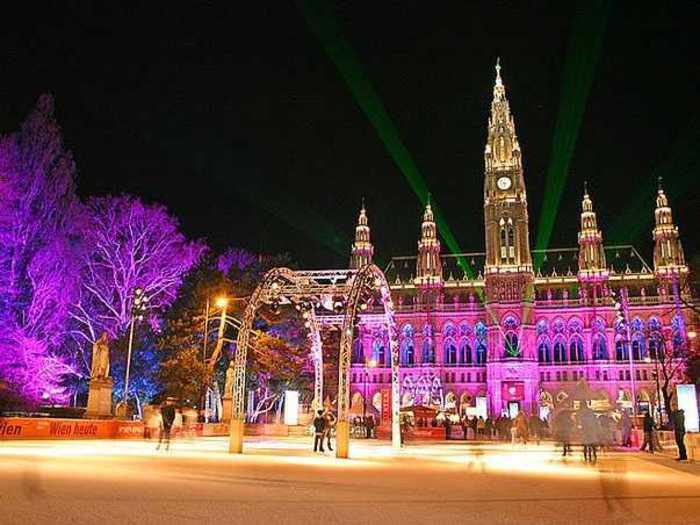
304 219
322 22
583 50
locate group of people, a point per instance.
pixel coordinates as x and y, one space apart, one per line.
365 425
518 429
324 425
651 442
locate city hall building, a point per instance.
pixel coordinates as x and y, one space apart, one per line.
515 329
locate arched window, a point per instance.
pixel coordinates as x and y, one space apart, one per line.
510 345
480 329
600 348
544 354
677 327
378 352
450 352
656 345
621 350
358 355
481 353
559 351
638 352
576 350
428 356
407 348
558 326
575 326
407 353
448 330
465 352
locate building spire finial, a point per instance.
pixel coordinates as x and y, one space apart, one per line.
660 183
585 187
499 82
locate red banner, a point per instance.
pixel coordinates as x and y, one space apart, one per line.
386 406
511 391
45 428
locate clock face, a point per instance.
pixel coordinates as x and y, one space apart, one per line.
503 183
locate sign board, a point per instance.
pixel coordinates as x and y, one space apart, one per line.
481 407
386 406
688 401
512 391
49 428
291 407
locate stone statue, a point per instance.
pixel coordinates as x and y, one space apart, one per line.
100 358
228 386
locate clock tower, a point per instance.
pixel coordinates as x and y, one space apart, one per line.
512 370
508 269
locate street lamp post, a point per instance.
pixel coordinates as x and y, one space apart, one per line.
137 310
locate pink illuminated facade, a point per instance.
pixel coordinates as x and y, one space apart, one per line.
519 329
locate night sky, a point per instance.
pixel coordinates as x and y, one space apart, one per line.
233 116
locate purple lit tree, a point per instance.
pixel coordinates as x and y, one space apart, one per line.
39 247
129 245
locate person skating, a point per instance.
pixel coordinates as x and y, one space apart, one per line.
319 424
521 427
626 430
562 427
370 426
535 425
648 427
167 414
589 433
330 420
678 419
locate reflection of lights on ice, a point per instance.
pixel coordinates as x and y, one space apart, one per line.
291 407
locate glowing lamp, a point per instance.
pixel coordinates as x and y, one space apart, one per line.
221 302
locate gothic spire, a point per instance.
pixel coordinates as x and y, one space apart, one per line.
362 249
591 255
668 251
428 264
502 148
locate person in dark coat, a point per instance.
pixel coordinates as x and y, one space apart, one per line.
536 428
370 426
589 433
319 424
648 427
167 415
562 427
678 419
328 428
626 430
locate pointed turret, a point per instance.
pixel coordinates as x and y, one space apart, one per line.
428 265
508 267
362 249
591 255
668 252
502 151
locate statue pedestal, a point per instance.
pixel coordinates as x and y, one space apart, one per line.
226 412
100 398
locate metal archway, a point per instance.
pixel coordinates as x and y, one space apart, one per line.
367 278
319 293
